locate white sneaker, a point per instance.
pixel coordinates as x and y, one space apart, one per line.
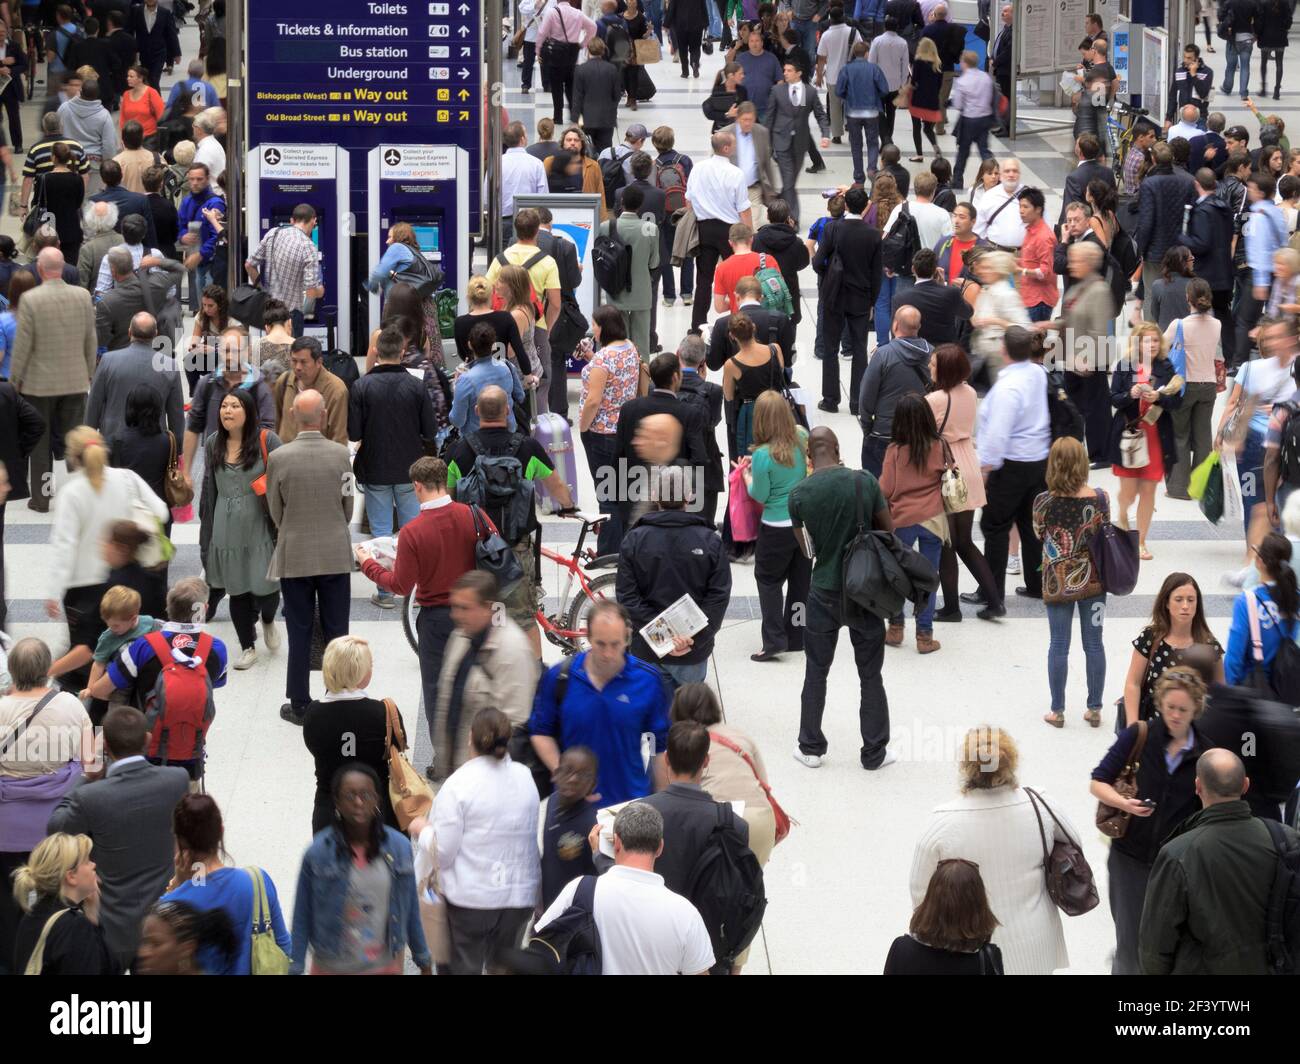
807 760
271 635
890 758
1013 564
247 659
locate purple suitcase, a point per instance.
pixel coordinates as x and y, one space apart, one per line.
556 436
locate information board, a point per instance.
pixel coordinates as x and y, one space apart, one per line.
1155 52
1037 36
361 74
1119 38
1070 30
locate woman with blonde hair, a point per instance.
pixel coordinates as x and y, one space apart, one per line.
927 78
997 307
778 463
1067 517
85 507
993 824
478 297
1143 387
58 892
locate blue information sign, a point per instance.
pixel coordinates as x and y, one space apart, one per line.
361 74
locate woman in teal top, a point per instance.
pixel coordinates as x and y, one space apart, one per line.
778 463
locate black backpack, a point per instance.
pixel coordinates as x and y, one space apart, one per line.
1283 919
1062 414
497 484
1289 453
613 175
570 944
342 365
726 886
611 259
903 241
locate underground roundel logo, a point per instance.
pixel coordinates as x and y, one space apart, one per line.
271 156
392 157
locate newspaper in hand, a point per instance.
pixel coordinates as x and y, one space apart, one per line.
383 549
683 618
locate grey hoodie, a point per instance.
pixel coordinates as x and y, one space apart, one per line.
90 125
901 367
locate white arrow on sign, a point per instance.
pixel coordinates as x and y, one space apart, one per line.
463 9
462 73
463 31
464 52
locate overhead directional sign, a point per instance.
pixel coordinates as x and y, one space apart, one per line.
359 74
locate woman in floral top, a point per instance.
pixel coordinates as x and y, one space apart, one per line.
610 379
1066 517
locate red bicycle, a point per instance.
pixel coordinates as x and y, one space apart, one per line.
566 627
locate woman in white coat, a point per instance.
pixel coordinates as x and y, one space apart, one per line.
485 830
993 824
997 307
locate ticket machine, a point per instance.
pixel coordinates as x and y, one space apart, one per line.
426 186
281 176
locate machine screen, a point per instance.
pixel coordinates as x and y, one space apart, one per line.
427 236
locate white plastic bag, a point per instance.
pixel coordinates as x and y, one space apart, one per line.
1233 507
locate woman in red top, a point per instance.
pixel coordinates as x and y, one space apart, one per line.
140 102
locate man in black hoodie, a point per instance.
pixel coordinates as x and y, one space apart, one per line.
781 240
1209 239
1163 194
901 367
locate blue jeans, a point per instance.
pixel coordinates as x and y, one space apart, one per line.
859 128
382 499
1040 312
684 674
200 278
715 20
930 547
1238 52
806 28
884 302
1092 612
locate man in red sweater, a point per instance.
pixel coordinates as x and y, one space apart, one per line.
433 552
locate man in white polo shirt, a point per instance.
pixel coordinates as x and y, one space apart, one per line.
999 218
719 198
644 928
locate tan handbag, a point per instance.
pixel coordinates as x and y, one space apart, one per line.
904 98
433 918
1133 450
647 51
409 792
1112 822
175 487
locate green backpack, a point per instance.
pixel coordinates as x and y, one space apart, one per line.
776 293
268 958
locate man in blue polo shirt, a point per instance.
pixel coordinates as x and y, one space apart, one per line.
611 703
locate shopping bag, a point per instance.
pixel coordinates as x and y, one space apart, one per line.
1233 507
1201 475
745 513
1212 494
648 51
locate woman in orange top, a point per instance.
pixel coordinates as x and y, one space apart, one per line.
140 102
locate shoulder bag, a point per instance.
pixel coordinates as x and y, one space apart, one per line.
248 301
36 962
37 215
1115 554
1121 716
1112 822
952 485
175 487
1070 883
408 791
17 733
783 821
268 958
493 555
258 485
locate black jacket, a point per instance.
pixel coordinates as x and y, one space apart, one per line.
1209 239
98 52
652 204
597 89
1197 159
772 327
21 428
161 44
1061 259
858 245
125 46
1126 410
128 202
389 413
634 411
721 101
1186 88
665 555
942 310
1240 15
911 22
1076 183
950 40
1273 26
1164 192
791 254
15 87
708 396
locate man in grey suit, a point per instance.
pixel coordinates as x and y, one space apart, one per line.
137 364
753 155
597 89
134 291
309 492
788 107
128 815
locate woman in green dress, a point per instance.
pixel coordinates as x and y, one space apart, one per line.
236 537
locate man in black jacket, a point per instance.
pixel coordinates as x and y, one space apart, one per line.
565 253
782 241
706 395
941 305
21 428
999 63
849 263
98 52
1211 148
124 45
911 20
1163 194
597 88
770 326
156 39
1192 83
1087 149
1209 239
1074 230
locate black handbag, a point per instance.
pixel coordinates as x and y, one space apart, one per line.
569 327
37 215
492 554
248 305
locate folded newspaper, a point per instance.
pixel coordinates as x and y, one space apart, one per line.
383 549
683 618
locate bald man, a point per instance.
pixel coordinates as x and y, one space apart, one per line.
1208 895
53 361
898 368
309 492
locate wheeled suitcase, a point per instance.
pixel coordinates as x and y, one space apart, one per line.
556 436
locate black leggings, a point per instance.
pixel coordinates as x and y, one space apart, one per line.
1264 54
688 46
244 611
1209 40
929 134
963 546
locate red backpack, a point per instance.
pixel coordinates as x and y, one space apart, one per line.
670 178
180 709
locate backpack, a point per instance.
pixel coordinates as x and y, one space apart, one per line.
1289 451
420 274
539 309
903 241
670 178
342 365
613 174
1062 415
776 293
611 259
618 44
180 707
497 484
726 886
1282 922
570 943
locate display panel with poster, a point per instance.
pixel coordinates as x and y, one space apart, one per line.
1155 52
1119 43
1070 30
1037 37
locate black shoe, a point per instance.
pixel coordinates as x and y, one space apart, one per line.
947 616
815 170
1102 464
292 715
830 408
1024 592
975 598
765 655
837 140
429 773
990 613
1277 95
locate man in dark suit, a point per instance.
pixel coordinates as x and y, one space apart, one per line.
999 64
1209 238
770 326
597 88
1164 193
565 253
14 61
1074 230
1211 148
950 41
691 354
95 51
127 202
788 107
134 291
124 45
156 39
849 259
941 305
1087 149
128 815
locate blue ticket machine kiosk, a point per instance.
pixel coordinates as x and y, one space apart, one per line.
281 176
427 187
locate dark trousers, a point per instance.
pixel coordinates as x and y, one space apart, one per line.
887 112
61 414
476 934
1248 312
10 914
667 233
601 450
433 628
530 59
873 453
834 325
1128 891
963 546
970 131
1010 493
713 246
331 594
688 47
1227 333
825 617
861 129
1090 392
600 138
11 102
917 125
560 79
779 560
246 609
558 389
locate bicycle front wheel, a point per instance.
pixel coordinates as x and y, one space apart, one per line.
576 619
410 611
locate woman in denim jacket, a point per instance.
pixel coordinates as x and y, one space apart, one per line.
356 903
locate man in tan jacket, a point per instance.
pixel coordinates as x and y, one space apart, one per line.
307 372
53 361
